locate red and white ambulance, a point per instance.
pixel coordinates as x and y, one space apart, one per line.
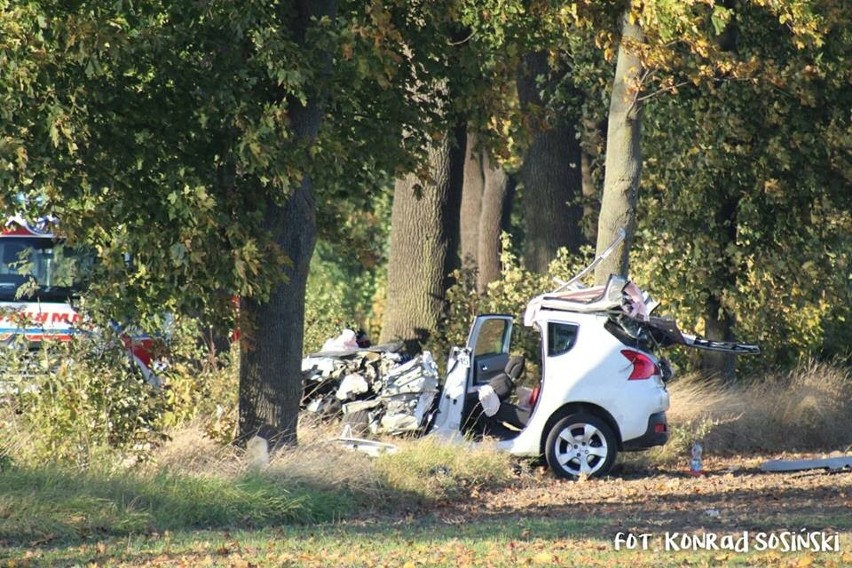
39 279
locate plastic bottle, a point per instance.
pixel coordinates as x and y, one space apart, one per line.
695 465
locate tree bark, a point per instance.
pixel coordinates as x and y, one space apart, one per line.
719 320
471 205
271 344
623 156
718 325
550 175
424 245
491 216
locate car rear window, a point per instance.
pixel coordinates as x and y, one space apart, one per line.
561 337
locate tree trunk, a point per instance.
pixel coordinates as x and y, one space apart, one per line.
719 321
623 156
424 245
271 346
718 325
550 175
491 215
474 183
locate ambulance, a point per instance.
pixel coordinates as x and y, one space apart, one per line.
41 279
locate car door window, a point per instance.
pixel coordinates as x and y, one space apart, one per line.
492 338
561 337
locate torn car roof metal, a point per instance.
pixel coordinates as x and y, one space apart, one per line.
628 306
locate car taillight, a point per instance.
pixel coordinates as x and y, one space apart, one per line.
643 366
534 395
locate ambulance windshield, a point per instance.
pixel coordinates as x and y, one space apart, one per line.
41 268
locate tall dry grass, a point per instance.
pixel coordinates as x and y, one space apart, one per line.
806 410
422 470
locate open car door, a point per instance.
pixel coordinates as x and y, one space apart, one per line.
488 343
485 355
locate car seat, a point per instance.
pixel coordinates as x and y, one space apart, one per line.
504 382
503 385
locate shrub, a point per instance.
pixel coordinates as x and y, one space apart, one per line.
80 398
507 295
83 401
200 384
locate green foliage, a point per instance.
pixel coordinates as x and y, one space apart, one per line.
169 130
77 401
80 399
748 205
199 383
348 271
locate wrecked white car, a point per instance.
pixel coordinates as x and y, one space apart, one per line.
602 389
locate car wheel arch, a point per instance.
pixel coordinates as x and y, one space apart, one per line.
579 408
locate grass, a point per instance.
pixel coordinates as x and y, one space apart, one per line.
53 503
536 542
196 483
806 410
433 469
198 502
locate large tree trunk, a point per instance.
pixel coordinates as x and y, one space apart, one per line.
471 204
486 189
623 156
271 346
491 218
550 175
424 245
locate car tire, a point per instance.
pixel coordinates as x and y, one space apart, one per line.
581 445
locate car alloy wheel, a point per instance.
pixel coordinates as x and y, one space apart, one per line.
581 445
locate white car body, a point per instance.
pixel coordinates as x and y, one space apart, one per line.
588 376
601 390
593 374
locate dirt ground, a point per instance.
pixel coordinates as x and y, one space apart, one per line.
733 495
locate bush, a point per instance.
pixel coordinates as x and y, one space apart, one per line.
201 385
507 295
84 401
80 399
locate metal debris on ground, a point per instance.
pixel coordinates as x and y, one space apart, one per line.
831 464
373 389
